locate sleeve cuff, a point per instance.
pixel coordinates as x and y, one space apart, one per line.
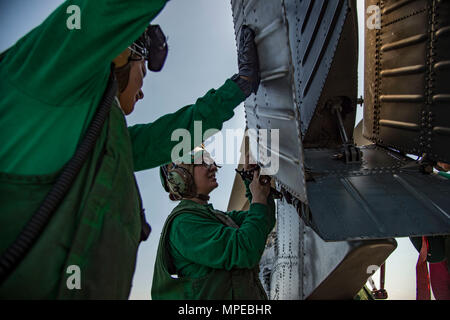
244 85
258 207
235 90
229 96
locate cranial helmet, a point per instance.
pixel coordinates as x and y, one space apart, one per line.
177 177
151 46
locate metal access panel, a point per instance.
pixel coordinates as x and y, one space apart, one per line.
308 57
385 196
274 106
324 46
297 264
407 92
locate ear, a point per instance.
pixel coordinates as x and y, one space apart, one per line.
122 59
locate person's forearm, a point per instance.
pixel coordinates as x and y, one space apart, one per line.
259 199
153 144
251 237
248 194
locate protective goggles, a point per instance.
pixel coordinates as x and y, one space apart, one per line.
208 161
152 46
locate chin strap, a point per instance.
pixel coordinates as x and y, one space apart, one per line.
199 196
202 197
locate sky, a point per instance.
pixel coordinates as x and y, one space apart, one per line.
202 55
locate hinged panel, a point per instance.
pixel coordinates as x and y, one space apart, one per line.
407 97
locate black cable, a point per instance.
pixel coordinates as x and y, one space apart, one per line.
15 253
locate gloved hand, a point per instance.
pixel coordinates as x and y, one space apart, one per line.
260 191
248 78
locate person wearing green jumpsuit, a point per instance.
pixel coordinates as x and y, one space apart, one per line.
206 254
51 82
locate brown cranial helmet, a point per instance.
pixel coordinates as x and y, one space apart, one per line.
177 177
151 46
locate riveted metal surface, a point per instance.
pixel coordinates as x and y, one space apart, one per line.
407 97
308 55
307 52
440 71
274 106
286 278
303 266
324 41
385 196
267 262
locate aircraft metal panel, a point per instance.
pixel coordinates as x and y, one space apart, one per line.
371 74
385 196
274 106
297 264
286 279
323 38
407 96
440 85
312 39
308 56
355 260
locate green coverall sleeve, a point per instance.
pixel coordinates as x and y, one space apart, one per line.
74 57
210 243
152 143
239 216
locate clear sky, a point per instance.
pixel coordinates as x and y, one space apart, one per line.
202 55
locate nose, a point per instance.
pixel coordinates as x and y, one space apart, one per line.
213 167
140 95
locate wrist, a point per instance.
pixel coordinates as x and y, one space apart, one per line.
243 83
260 200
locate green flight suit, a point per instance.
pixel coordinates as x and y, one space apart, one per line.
44 113
212 259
